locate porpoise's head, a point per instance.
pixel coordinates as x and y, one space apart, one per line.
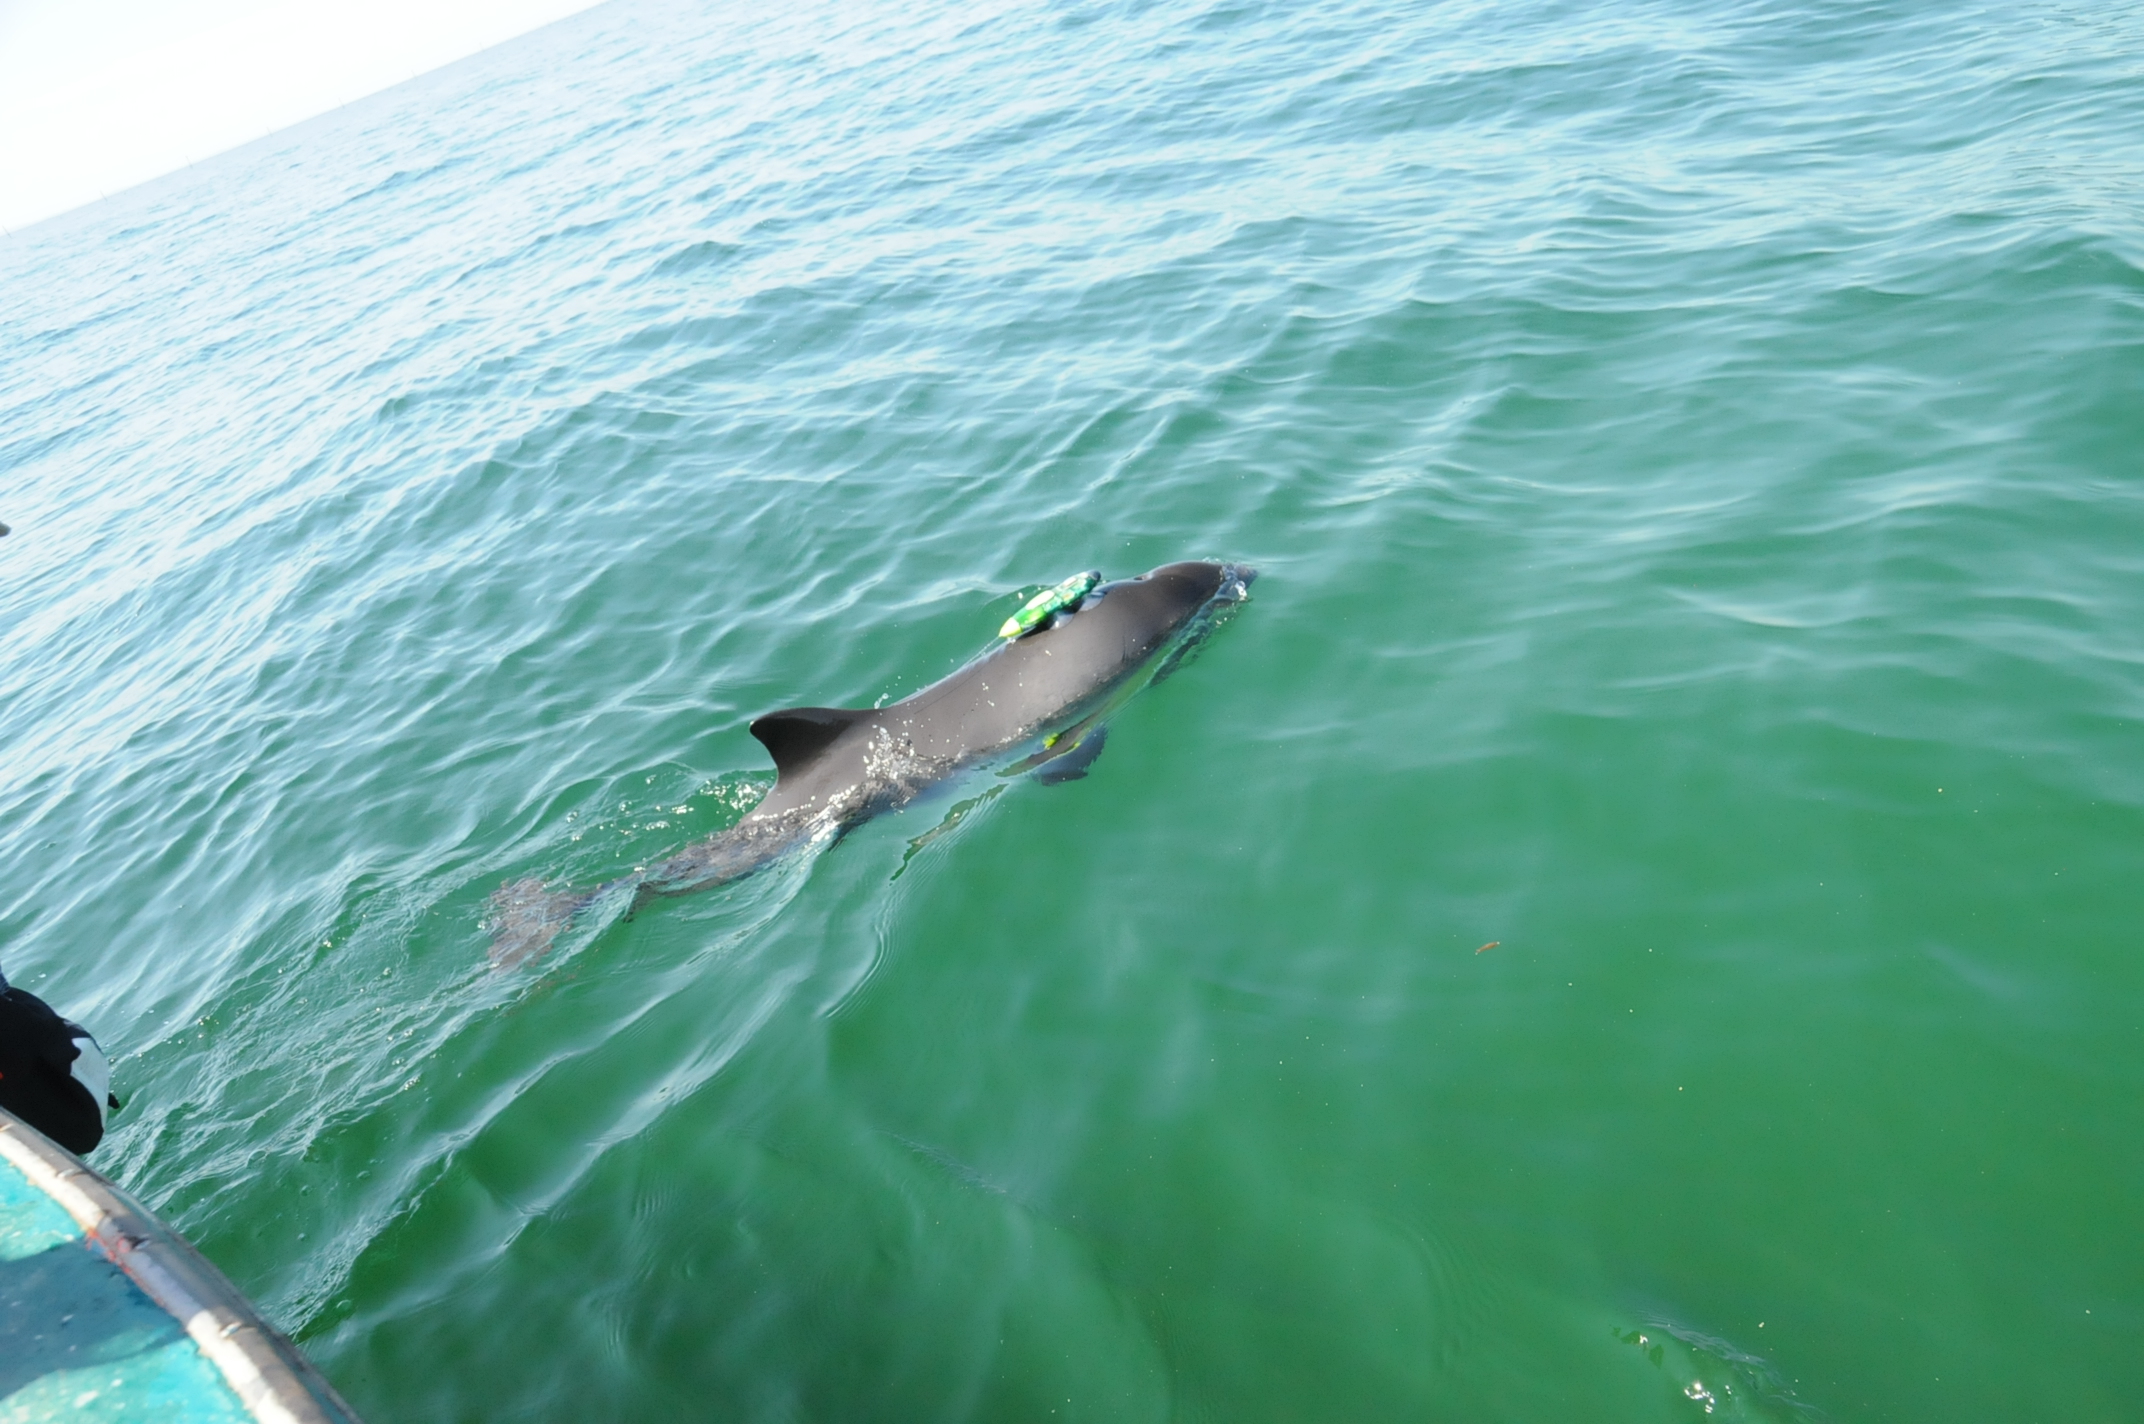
1169 610
1175 593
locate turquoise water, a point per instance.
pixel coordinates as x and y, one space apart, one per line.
1692 452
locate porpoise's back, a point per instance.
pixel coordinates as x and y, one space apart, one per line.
1017 690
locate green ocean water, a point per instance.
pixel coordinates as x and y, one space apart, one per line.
1692 453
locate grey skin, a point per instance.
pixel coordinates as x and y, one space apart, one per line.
1037 703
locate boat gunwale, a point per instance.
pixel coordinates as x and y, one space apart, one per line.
273 1381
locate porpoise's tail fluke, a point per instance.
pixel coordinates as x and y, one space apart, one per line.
527 916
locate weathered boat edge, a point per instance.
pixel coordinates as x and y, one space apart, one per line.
275 1383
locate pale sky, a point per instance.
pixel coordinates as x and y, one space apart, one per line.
99 95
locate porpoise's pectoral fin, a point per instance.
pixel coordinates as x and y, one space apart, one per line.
1072 764
797 735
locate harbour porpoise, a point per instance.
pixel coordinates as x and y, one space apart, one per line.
1034 703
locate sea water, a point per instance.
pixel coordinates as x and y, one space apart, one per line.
1695 457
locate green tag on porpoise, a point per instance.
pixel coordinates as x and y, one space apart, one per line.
1042 605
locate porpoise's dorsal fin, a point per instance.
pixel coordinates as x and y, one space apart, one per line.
795 735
